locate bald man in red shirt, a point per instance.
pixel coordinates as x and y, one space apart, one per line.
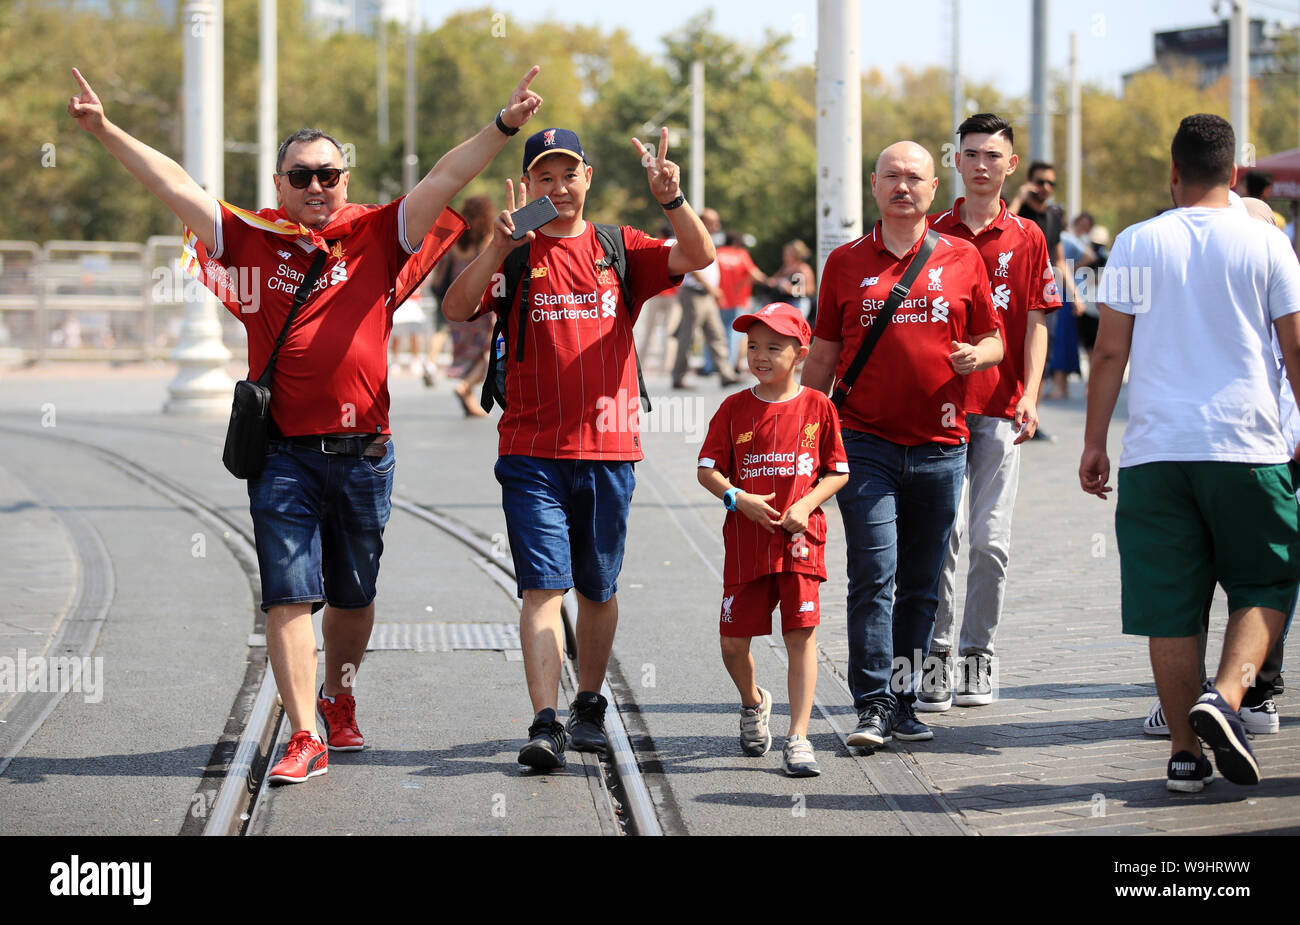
904 429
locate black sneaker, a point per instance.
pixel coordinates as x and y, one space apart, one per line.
935 695
1220 727
907 728
545 748
1189 773
873 728
975 689
587 723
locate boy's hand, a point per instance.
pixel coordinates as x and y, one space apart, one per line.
756 508
795 519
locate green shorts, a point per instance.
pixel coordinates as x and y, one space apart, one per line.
1183 526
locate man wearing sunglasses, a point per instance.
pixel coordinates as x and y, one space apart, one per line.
320 505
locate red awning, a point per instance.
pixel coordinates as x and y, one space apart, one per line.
1285 168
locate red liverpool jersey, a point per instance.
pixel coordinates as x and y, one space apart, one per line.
574 394
908 392
331 375
783 447
734 276
1015 257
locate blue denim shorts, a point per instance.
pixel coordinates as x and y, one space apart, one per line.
567 522
319 523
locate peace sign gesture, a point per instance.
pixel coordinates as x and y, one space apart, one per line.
85 107
504 226
523 102
664 176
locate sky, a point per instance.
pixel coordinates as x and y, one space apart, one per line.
1115 36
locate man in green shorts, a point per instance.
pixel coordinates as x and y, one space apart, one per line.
1205 491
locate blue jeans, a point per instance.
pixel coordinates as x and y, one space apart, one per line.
319 520
898 510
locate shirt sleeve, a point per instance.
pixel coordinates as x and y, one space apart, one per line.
1046 296
647 266
716 451
1283 278
829 316
835 459
494 297
1112 288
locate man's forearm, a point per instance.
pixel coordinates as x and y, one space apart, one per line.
1035 351
465 293
988 351
1104 381
163 177
694 246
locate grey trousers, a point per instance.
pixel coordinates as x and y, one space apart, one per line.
984 521
701 309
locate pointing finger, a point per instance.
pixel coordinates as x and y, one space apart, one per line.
528 78
663 146
81 80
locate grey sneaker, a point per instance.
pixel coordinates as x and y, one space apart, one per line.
975 689
935 695
755 737
798 759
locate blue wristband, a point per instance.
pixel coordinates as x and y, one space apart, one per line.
729 498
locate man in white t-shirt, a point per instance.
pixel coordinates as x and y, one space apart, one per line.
1206 493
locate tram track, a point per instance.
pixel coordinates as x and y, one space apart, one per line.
233 783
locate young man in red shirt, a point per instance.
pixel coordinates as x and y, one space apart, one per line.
1001 411
321 502
569 431
904 430
773 455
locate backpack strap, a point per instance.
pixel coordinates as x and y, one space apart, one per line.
516 271
611 242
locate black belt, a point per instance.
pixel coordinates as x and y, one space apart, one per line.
355 447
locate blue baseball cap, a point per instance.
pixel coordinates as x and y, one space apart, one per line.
552 141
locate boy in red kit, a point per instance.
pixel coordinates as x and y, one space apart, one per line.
773 454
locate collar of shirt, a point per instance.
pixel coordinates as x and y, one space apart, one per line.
999 223
878 239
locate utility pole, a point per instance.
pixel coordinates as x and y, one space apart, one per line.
958 98
267 143
201 384
410 163
1040 119
697 136
1074 137
839 127
1239 68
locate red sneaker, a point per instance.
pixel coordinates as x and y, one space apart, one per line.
305 757
339 718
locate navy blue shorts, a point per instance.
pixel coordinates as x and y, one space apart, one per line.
567 522
319 523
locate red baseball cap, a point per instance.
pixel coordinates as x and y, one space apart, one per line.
781 317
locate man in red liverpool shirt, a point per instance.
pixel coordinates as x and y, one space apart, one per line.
320 505
569 434
904 430
1001 411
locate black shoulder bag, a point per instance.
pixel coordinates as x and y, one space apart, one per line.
897 294
250 416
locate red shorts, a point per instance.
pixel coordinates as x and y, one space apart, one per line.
747 608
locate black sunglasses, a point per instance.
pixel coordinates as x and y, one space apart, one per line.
300 177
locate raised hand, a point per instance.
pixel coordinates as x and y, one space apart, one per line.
85 107
504 226
523 102
664 176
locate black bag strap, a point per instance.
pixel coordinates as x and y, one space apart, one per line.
611 242
299 297
896 296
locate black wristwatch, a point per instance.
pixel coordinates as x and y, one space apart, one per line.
676 203
501 124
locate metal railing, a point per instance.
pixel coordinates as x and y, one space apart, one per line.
97 300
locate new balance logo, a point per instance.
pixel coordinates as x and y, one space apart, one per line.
868 281
807 606
285 255
936 283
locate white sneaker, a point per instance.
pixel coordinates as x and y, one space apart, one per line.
798 758
1261 720
755 737
1155 724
